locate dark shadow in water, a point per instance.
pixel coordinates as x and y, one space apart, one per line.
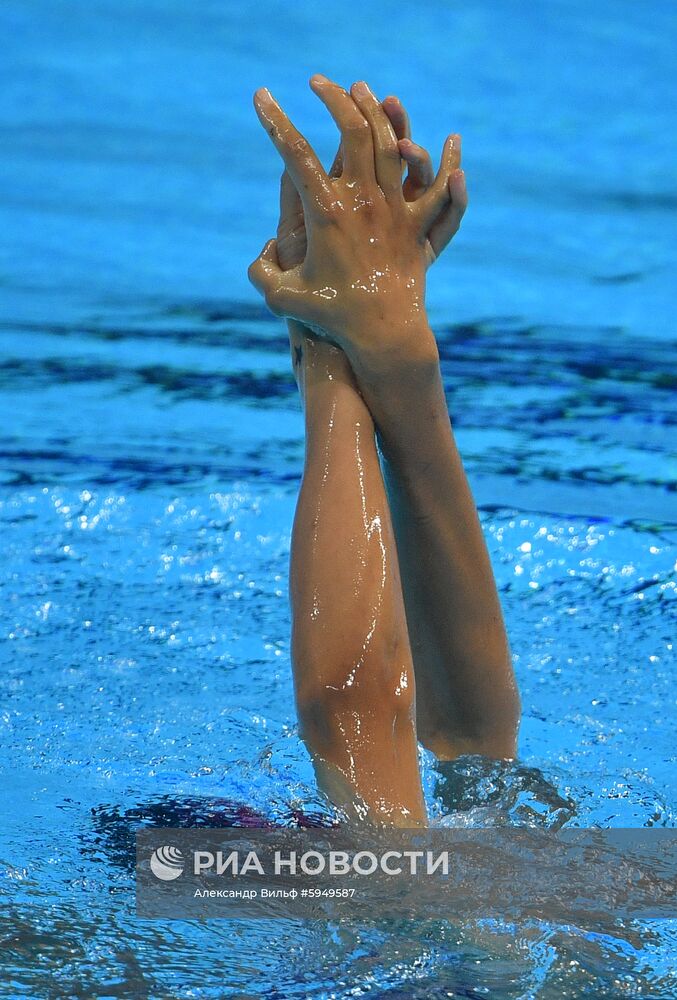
512 793
496 349
115 827
618 279
180 383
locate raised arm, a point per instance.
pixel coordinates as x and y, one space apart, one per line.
361 285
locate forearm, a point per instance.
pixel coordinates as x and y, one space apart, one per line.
466 696
353 674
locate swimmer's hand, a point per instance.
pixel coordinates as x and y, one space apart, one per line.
362 280
291 240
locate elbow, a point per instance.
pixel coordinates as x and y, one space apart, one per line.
335 720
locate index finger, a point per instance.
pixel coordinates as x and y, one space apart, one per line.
299 157
387 160
356 140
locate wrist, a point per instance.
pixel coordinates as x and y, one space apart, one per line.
404 391
297 328
393 352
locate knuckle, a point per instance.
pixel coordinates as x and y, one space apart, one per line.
358 127
332 212
366 206
299 145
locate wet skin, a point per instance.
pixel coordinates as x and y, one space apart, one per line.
348 269
367 246
353 670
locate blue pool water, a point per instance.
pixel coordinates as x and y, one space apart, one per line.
151 446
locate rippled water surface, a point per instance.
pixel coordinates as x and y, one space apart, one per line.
151 445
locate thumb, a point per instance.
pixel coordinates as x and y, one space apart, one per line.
264 272
276 285
448 223
429 206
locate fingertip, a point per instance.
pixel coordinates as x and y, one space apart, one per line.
269 252
409 154
318 79
451 150
410 150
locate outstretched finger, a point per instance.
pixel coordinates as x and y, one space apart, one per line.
438 197
356 140
387 160
299 157
448 223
